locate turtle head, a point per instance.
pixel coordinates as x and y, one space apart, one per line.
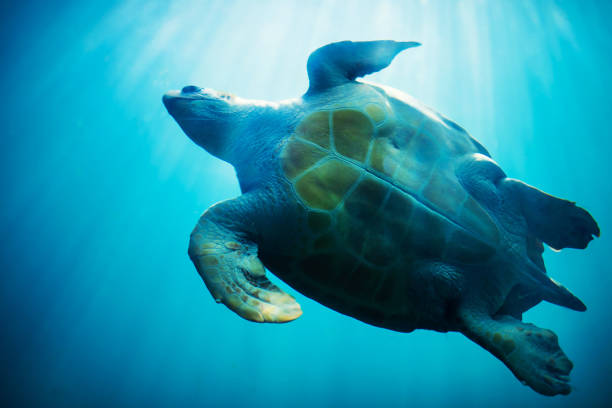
206 116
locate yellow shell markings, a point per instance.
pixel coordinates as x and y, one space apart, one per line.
377 113
315 128
382 117
328 160
352 133
300 156
325 185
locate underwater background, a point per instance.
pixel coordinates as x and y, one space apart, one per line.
100 305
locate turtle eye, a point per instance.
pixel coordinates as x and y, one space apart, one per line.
190 89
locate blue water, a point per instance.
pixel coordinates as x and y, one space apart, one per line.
99 303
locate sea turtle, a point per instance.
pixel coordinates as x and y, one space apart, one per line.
366 201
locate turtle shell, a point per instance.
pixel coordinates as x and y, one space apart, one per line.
380 192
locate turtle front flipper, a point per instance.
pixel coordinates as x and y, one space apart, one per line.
338 63
225 256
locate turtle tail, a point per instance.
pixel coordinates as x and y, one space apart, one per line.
553 292
537 287
550 290
543 287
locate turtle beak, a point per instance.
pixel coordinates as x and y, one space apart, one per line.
169 100
173 99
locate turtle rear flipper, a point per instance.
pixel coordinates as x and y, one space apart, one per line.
557 222
226 259
530 352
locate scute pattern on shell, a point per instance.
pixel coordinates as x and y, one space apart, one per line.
381 197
